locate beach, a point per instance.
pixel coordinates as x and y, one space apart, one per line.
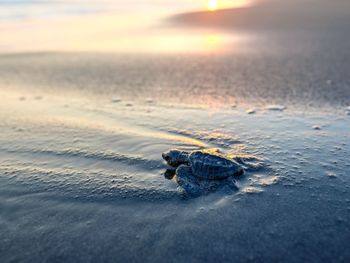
84 122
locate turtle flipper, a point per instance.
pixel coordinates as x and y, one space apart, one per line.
229 185
187 181
169 173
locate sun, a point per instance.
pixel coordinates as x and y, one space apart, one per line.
212 5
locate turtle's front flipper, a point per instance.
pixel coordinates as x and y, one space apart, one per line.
170 173
187 182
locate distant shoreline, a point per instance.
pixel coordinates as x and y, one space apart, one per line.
297 80
272 16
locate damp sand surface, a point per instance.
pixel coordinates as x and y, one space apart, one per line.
82 180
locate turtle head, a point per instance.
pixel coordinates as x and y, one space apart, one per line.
175 157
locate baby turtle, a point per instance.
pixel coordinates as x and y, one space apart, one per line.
204 164
202 171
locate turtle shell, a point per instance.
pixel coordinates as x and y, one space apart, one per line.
214 167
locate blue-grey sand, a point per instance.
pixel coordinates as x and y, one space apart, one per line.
82 134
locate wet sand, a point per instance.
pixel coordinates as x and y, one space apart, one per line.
83 180
316 78
81 173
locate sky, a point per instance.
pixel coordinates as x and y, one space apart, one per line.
118 25
163 25
26 9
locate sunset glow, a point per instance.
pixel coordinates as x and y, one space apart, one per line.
212 5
